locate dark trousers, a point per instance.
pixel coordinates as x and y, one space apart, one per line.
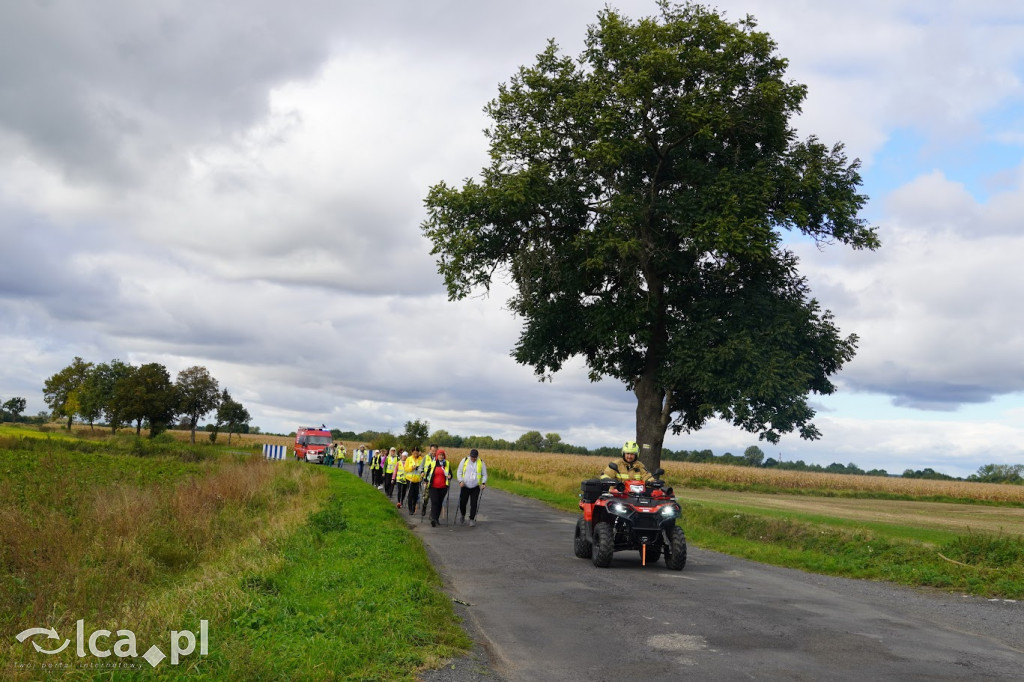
437 496
360 470
414 496
389 485
402 487
471 494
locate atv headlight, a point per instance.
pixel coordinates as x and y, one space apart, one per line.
670 511
618 508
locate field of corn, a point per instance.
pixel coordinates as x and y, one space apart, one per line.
564 473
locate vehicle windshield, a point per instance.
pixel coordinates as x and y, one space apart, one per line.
318 440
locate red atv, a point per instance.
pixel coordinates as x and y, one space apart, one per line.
621 515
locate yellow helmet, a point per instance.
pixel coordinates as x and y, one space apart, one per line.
631 448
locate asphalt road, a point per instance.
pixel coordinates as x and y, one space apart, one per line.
539 613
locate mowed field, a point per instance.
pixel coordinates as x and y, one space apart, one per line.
953 517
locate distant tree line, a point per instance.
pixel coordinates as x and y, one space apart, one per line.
117 394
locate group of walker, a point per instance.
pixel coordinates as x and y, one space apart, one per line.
423 481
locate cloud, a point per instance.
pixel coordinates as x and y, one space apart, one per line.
936 307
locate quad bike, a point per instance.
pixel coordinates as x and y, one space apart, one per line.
622 515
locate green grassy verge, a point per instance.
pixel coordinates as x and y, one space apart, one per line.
349 595
979 564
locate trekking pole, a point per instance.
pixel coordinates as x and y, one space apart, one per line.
447 505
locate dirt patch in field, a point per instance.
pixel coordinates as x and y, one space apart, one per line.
959 518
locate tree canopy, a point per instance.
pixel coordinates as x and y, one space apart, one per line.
198 395
636 199
63 391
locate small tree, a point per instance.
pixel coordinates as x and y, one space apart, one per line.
62 391
198 395
231 414
753 456
416 434
531 441
14 407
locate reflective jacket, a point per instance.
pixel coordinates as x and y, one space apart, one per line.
400 474
414 468
428 471
481 472
628 472
389 464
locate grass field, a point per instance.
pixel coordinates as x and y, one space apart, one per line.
301 572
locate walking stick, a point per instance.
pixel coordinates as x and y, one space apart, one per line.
447 504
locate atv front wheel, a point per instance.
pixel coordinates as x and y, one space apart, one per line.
604 545
675 554
580 545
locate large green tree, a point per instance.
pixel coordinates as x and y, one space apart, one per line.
63 391
636 199
198 395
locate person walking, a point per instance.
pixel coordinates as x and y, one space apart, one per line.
401 478
340 455
414 473
377 469
360 459
428 461
472 475
390 462
438 476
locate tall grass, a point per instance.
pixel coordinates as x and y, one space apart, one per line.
83 533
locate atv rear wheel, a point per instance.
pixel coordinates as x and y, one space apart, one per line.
675 555
604 545
581 545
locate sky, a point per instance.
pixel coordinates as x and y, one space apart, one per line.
240 185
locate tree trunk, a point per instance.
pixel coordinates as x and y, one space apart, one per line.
652 420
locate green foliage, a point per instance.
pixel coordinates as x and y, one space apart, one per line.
531 441
636 198
12 409
232 414
753 456
384 441
62 391
928 473
147 394
198 395
999 473
416 434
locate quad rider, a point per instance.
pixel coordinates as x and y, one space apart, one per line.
631 468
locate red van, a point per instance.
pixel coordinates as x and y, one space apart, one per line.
310 444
